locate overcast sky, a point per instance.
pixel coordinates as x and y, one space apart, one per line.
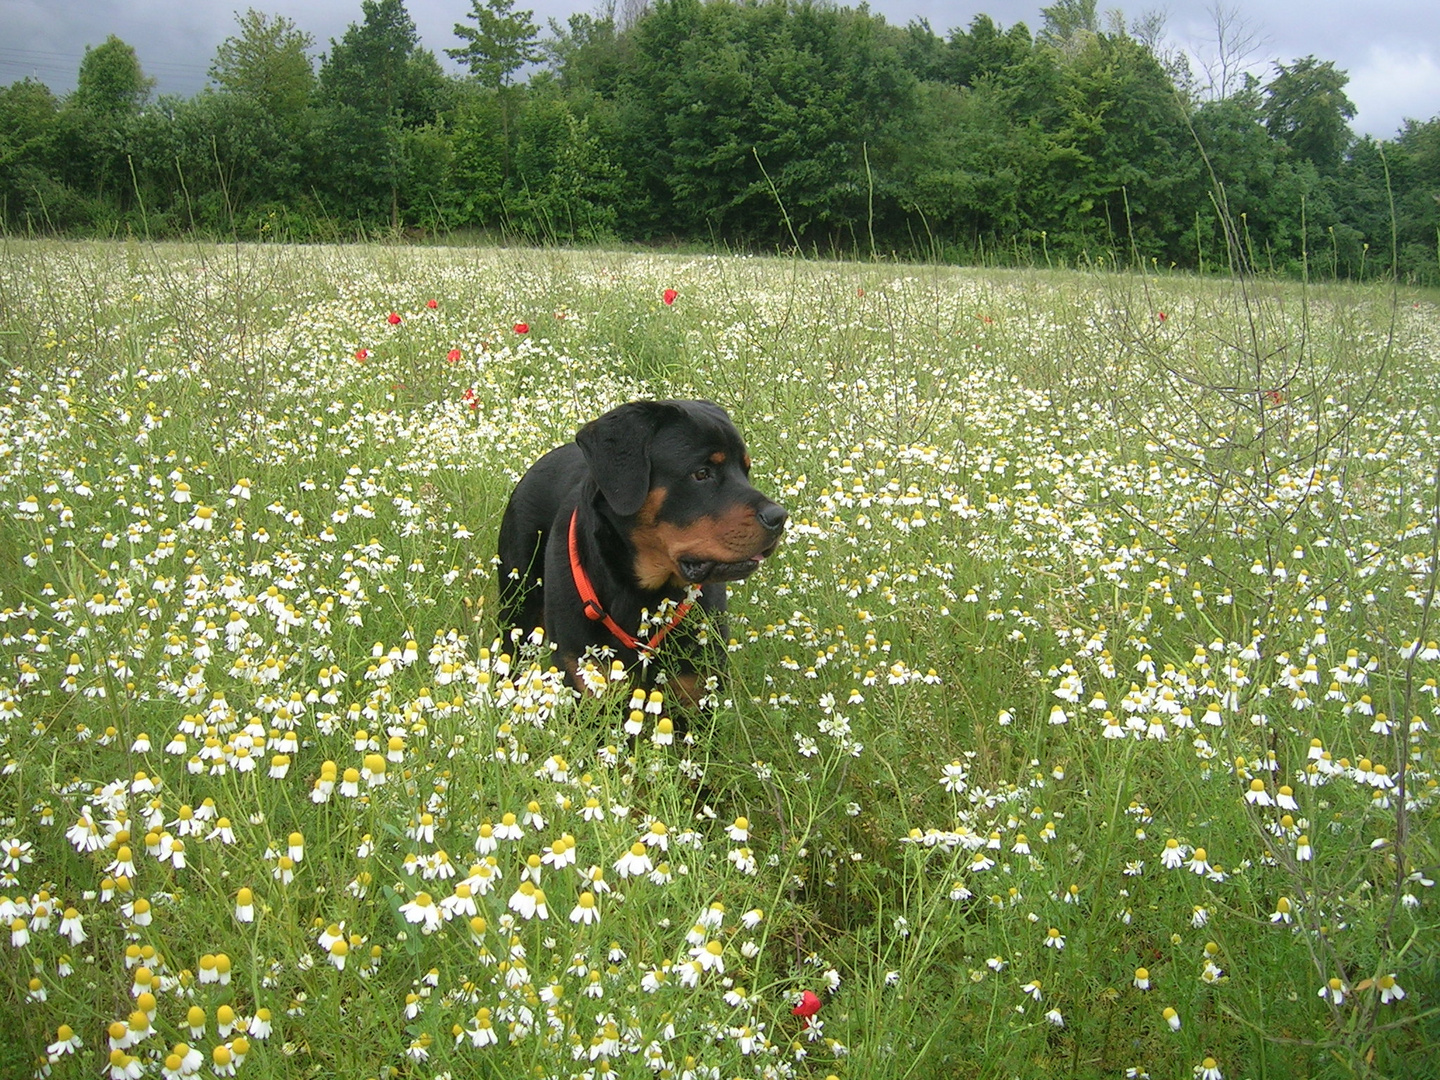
1390 48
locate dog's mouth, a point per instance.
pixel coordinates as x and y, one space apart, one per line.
706 571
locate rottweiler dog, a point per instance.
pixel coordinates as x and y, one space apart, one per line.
652 502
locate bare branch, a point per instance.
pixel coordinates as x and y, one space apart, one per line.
1232 51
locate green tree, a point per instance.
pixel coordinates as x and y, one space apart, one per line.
564 185
380 70
28 111
426 152
110 82
1119 151
1064 19
266 63
756 121
247 138
243 166
1407 171
587 54
968 169
90 151
1256 205
1417 198
500 44
1306 109
986 51
475 173
923 51
374 85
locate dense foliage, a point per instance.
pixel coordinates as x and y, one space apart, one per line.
751 124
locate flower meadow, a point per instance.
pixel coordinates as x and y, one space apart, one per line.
1084 723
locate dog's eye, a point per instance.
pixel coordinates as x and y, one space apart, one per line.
700 475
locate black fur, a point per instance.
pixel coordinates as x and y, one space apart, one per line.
660 488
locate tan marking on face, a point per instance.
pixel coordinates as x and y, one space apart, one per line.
654 565
731 537
746 459
717 458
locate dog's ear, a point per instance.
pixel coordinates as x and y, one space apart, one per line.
617 450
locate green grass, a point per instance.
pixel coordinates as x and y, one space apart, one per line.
248 521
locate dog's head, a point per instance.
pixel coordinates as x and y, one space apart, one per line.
675 474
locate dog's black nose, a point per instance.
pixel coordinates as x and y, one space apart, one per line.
773 517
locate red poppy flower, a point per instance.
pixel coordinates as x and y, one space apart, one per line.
453 355
1162 316
394 318
522 327
859 292
669 296
809 1005
432 304
362 354
470 398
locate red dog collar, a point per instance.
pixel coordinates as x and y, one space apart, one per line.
591 603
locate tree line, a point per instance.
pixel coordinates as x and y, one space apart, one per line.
744 123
